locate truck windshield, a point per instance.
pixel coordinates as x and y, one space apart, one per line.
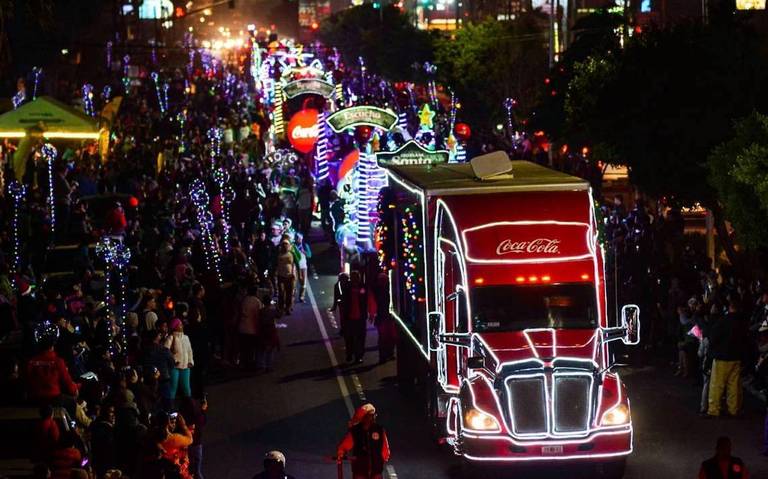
518 307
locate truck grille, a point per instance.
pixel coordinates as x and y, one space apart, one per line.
527 401
571 403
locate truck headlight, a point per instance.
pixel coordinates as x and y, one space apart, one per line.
616 416
480 421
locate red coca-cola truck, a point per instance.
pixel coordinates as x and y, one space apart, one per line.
499 288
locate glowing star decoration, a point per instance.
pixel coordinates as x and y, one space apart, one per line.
18 192
49 153
426 117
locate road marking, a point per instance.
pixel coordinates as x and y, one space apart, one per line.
331 354
390 469
358 388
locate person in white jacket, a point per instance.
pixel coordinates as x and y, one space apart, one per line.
181 350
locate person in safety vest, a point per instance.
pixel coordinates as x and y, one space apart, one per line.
723 465
367 442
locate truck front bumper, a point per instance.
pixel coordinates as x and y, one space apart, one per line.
599 446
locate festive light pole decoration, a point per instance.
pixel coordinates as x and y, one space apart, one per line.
431 69
215 136
411 251
36 72
106 93
162 92
255 63
126 74
227 194
18 192
49 153
509 104
117 257
321 151
88 99
200 199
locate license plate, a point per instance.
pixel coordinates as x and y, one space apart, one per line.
551 450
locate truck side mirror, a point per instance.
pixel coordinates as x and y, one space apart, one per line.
630 321
434 319
475 362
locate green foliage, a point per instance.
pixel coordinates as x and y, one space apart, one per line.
490 61
593 34
662 104
738 170
384 37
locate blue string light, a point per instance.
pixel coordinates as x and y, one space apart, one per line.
36 72
126 74
161 89
200 199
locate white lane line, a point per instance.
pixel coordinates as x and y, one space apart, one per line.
358 388
331 353
390 469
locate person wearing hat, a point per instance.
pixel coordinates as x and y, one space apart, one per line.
368 444
274 467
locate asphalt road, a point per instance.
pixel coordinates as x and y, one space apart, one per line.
302 406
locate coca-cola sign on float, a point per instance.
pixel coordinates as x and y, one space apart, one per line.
303 130
538 245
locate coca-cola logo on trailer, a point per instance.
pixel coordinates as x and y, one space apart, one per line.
303 130
539 245
522 241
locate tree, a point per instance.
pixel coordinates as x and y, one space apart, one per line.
384 37
490 61
738 170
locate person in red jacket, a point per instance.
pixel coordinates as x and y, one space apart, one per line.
48 380
116 223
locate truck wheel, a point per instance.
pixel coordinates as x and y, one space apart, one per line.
437 424
610 470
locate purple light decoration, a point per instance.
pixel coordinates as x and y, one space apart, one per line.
191 64
509 104
18 192
106 93
109 56
200 199
49 153
88 99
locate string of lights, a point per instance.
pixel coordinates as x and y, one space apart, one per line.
18 192
49 153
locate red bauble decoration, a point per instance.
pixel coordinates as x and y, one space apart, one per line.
463 131
133 202
363 133
303 130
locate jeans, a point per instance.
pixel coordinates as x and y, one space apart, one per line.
195 453
180 379
725 378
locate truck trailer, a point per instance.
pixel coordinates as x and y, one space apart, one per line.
498 286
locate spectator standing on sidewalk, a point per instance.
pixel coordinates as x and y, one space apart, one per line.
181 350
304 253
286 277
727 337
248 326
723 465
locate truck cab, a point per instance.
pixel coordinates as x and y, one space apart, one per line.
516 326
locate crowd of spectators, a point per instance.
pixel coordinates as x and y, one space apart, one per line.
120 379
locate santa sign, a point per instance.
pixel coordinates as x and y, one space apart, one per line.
303 130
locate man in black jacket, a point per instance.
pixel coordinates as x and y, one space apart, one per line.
727 340
723 465
159 357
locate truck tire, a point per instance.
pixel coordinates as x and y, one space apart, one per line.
431 406
610 470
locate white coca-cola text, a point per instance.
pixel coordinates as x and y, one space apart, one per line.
536 246
299 132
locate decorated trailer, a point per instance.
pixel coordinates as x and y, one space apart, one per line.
498 286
